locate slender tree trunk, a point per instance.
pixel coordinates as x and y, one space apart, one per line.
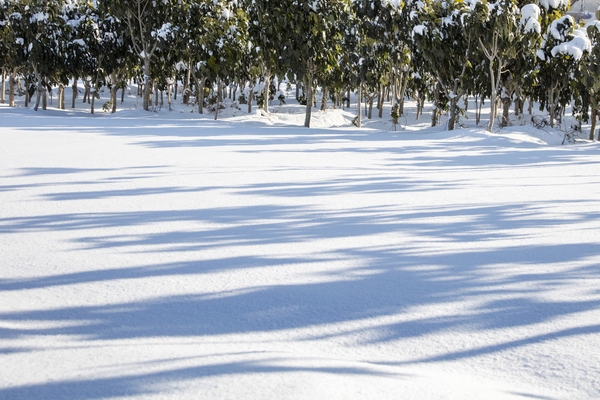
3 85
44 97
380 99
436 100
61 96
266 91
86 94
309 95
551 107
147 84
200 84
186 84
27 95
518 102
506 102
298 91
348 99
38 86
359 103
494 96
169 96
219 98
452 117
371 98
478 106
324 99
251 95
113 92
402 93
594 117
74 89
12 82
419 105
93 99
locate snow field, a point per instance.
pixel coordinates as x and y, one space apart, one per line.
166 255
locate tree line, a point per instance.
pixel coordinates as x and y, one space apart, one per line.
507 52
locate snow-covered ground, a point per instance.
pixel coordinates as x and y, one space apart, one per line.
167 255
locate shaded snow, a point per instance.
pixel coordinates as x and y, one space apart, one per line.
167 255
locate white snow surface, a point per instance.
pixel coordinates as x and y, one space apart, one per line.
529 18
169 256
575 47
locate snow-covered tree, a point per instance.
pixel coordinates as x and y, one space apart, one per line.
445 43
502 34
37 31
314 33
204 28
589 78
149 24
266 35
562 50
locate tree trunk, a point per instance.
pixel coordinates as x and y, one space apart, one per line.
147 84
493 109
74 89
219 98
436 100
380 101
452 117
519 102
113 93
506 102
419 106
169 96
186 84
478 104
594 118
93 99
86 93
61 96
371 98
200 84
359 103
12 82
38 86
551 107
3 85
27 95
38 97
348 99
250 97
309 96
324 99
266 91
530 106
44 97
402 92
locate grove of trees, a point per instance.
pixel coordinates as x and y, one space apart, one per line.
506 52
